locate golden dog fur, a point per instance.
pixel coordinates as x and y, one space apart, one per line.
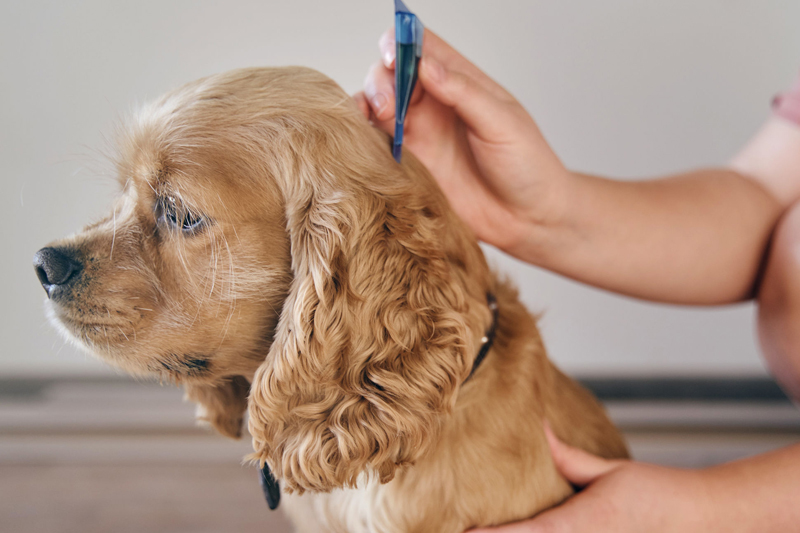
334 294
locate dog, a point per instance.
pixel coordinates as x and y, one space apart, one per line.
268 254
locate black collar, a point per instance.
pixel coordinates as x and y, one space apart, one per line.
488 339
272 491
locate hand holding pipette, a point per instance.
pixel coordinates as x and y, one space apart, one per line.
480 144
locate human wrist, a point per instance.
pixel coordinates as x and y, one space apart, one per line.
541 226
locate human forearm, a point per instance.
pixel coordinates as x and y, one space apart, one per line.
756 495
693 238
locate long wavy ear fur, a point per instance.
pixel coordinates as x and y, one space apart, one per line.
378 330
221 405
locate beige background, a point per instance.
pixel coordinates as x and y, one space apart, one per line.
627 88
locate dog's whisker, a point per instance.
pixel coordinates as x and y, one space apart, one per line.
113 236
142 309
200 299
232 294
225 327
237 235
185 265
231 275
214 268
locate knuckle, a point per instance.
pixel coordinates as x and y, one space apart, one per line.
458 83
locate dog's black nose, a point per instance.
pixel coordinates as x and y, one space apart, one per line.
55 268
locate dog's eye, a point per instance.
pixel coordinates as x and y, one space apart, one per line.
172 214
191 222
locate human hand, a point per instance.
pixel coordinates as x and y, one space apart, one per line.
621 496
477 140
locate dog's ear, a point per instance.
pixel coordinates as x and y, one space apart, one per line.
373 341
221 405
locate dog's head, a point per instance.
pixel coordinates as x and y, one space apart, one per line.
266 243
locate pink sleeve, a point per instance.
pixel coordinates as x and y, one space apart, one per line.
787 105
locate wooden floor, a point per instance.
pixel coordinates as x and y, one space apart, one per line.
175 498
92 457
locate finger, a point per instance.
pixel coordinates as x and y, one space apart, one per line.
379 91
363 105
437 48
387 48
487 116
386 126
579 467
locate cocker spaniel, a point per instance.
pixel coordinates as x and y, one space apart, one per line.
268 254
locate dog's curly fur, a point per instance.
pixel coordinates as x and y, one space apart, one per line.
339 289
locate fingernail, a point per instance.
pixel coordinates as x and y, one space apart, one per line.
387 47
379 103
388 55
433 69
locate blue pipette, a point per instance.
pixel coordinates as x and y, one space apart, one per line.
408 33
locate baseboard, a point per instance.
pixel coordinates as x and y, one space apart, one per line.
701 389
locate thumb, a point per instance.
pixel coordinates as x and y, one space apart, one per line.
579 467
481 110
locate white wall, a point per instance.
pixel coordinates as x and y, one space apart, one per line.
627 88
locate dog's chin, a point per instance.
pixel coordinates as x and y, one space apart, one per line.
100 339
67 328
